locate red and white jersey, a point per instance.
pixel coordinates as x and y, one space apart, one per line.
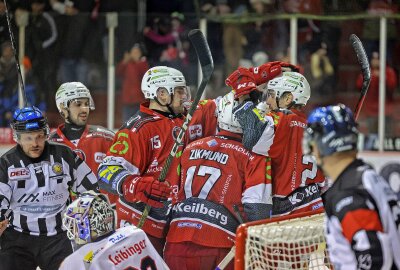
204 121
141 147
91 147
127 248
217 174
296 178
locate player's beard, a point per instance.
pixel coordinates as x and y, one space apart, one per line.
80 120
178 106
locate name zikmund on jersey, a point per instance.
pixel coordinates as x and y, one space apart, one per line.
208 155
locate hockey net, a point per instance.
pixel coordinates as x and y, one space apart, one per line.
291 242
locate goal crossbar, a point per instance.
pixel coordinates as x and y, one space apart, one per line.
287 242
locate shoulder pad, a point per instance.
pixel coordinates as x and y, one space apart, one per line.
101 131
285 111
139 120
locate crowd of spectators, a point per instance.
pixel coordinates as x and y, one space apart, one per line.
66 40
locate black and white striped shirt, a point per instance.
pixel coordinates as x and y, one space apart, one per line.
38 190
363 225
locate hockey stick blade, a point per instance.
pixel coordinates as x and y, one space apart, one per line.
227 259
203 52
365 69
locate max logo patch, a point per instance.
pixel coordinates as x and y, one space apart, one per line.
18 173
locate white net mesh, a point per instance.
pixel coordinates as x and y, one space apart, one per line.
290 244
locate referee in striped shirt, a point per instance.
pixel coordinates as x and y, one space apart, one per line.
37 178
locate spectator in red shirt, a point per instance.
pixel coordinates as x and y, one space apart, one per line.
131 70
371 103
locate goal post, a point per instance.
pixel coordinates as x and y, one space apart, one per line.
287 242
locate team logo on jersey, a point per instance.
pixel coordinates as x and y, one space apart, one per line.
296 198
116 238
80 154
195 131
99 156
154 163
212 143
175 132
57 168
18 173
88 257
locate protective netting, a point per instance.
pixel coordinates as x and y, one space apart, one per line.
290 244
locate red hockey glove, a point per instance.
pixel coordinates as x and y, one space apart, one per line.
146 189
268 71
242 81
289 67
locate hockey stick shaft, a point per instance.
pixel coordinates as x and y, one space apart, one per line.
231 254
20 80
365 69
203 52
228 258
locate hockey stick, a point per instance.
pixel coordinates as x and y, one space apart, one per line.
227 259
365 69
231 254
20 79
203 52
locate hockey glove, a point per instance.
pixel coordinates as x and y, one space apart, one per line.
289 67
242 82
146 189
268 71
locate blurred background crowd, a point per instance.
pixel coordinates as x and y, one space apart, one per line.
66 40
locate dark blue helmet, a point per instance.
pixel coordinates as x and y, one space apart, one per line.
29 119
332 128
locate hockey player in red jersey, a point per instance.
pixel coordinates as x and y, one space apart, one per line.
90 142
141 147
296 178
222 184
204 120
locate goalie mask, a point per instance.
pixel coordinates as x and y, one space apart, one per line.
226 119
28 119
292 82
332 129
89 217
70 91
162 77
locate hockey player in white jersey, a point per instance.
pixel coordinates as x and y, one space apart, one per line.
90 223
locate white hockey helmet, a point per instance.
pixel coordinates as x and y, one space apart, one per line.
226 118
294 83
88 217
70 91
161 76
